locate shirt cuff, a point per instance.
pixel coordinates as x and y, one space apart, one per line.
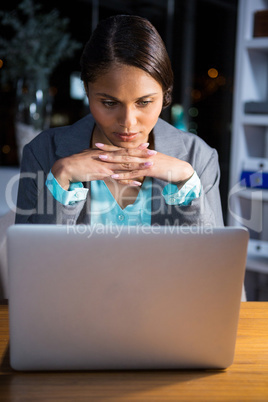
189 191
76 191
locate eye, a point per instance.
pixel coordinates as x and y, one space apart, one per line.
144 103
108 103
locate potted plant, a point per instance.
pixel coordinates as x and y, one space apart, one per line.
38 43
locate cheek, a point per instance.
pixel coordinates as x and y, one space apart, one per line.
101 116
152 116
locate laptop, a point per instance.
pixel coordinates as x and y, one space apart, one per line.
121 298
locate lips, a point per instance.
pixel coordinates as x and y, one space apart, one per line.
126 136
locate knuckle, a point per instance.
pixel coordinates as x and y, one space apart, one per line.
126 165
130 153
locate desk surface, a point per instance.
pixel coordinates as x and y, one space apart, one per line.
245 380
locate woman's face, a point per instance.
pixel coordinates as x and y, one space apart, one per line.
125 103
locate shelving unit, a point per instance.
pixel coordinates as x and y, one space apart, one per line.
249 206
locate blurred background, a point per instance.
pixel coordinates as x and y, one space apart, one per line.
200 37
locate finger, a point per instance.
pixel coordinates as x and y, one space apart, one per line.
136 152
129 175
132 156
106 147
130 166
144 145
133 183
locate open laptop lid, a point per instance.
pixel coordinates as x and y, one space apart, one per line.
138 298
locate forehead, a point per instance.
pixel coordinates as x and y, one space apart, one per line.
121 78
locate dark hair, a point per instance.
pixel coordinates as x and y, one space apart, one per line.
130 40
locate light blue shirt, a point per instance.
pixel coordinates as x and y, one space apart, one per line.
76 191
189 191
105 209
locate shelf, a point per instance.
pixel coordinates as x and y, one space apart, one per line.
257 264
255 164
257 44
255 119
257 194
249 206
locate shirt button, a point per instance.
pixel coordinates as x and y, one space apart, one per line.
79 194
121 217
172 199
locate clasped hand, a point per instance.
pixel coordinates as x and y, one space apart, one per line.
121 164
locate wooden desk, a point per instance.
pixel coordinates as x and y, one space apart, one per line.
245 380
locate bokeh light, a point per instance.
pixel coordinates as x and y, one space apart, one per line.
6 149
193 112
213 73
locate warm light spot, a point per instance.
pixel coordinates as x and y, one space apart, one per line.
6 149
213 73
59 119
1 63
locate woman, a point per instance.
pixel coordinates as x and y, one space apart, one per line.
121 164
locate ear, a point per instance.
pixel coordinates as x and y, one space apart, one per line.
167 98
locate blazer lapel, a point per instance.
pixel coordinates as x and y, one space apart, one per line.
76 138
167 139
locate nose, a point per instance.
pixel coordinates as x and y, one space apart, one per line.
128 118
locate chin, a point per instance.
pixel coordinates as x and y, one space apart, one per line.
129 144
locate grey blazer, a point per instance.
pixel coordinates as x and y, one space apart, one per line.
35 203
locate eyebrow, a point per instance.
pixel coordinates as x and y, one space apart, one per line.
114 98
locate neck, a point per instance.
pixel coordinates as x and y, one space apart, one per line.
98 136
